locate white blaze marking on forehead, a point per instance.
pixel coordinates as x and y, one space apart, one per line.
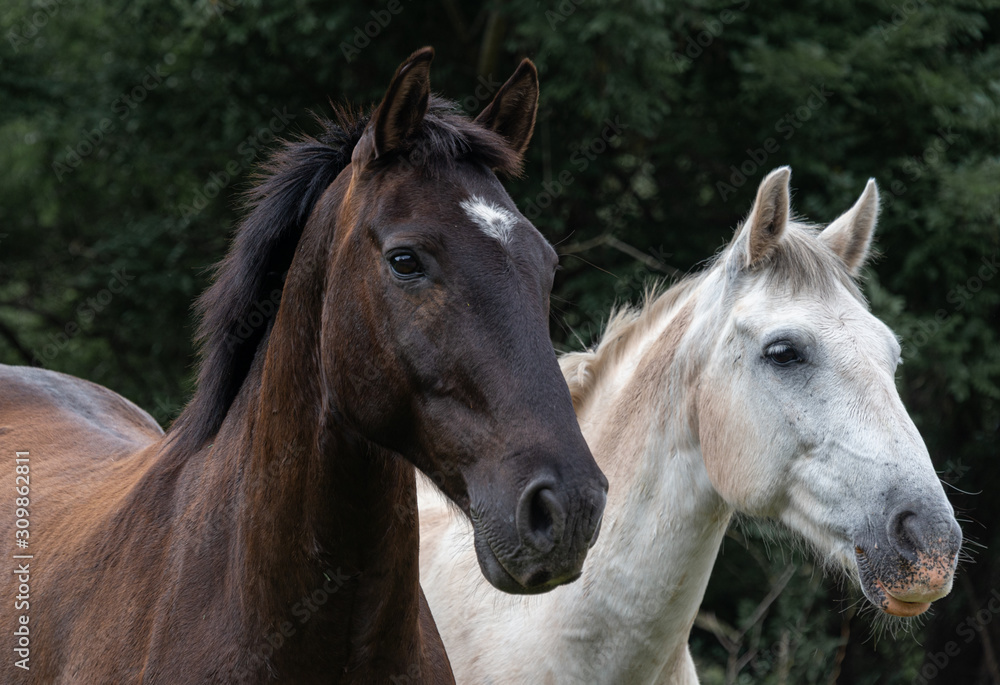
494 221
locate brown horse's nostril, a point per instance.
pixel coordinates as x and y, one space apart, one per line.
597 531
541 517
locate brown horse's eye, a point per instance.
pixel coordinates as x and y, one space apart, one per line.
405 264
782 354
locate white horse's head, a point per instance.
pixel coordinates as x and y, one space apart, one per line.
798 414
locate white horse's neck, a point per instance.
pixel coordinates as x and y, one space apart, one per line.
662 539
664 521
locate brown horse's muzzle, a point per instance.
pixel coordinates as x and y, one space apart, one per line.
553 528
912 564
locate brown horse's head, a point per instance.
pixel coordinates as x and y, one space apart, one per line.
435 326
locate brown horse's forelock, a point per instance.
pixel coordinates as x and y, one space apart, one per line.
237 311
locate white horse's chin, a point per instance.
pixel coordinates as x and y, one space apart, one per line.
842 555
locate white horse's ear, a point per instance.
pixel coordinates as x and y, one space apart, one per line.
850 236
768 218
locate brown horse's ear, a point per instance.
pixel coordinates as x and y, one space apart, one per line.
405 103
768 218
514 107
850 236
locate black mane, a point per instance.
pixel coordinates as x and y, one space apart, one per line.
237 310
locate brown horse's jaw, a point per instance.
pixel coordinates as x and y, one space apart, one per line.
499 577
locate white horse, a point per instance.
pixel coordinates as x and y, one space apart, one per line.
762 385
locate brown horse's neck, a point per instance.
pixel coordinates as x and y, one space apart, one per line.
326 534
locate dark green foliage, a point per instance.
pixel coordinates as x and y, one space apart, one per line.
658 119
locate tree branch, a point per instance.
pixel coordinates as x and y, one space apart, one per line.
614 243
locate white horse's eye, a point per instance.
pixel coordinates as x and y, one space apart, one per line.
782 354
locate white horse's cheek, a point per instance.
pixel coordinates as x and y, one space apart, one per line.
746 446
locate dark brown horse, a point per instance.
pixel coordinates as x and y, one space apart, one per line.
384 305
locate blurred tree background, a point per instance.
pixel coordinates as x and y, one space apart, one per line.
128 129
